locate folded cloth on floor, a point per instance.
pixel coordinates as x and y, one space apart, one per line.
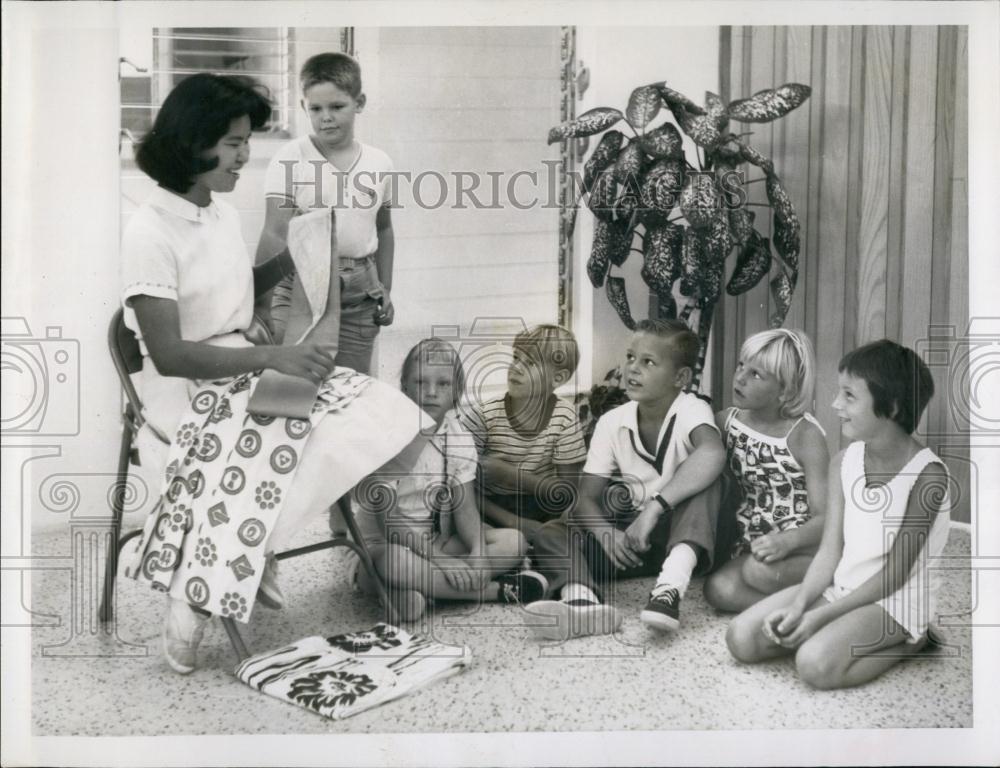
346 674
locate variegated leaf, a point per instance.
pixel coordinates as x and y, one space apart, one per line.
643 105
663 142
710 287
619 300
769 104
603 195
590 122
752 156
716 111
599 262
626 206
662 186
614 239
752 263
629 162
741 224
604 154
786 223
701 128
661 252
718 240
781 295
693 262
674 98
698 200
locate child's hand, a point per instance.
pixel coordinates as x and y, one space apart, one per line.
779 623
308 361
771 548
808 625
459 575
385 313
637 534
618 550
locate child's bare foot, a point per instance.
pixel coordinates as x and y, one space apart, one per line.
559 620
409 604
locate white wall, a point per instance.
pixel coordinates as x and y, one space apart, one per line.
620 59
60 166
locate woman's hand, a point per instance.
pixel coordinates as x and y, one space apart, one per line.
772 547
308 361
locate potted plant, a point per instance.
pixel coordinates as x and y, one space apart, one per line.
684 219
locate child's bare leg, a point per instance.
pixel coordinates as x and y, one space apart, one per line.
727 590
409 603
745 635
768 578
853 649
504 549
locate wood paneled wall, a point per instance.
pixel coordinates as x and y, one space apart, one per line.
875 163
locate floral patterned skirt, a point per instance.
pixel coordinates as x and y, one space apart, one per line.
233 477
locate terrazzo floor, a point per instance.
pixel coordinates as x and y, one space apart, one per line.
636 680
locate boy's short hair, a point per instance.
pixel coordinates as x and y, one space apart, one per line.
435 351
896 377
193 117
556 345
337 68
788 355
684 344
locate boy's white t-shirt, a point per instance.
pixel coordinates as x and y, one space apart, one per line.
299 172
616 449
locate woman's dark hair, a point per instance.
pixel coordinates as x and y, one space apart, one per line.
193 117
897 378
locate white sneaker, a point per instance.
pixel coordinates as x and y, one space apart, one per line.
269 592
558 620
182 633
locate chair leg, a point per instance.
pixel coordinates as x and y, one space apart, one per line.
235 639
106 612
344 503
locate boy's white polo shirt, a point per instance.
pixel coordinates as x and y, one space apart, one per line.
616 449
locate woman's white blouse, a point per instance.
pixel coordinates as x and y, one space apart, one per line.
174 249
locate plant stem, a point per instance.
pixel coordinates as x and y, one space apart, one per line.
704 329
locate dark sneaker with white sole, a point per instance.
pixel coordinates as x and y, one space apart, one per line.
522 587
663 609
564 620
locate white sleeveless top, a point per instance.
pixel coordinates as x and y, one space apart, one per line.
872 520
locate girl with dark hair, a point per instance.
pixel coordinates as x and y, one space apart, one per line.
237 486
868 597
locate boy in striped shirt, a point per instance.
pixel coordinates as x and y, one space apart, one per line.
530 442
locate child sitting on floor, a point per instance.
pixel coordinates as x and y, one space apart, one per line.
530 442
777 453
423 529
663 448
869 595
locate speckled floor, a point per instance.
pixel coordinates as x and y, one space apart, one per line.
636 680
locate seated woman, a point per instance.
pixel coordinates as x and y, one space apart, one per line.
238 486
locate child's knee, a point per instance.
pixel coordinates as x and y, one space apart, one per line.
818 666
510 542
719 590
759 576
741 639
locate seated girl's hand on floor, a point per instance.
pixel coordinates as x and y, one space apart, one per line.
459 574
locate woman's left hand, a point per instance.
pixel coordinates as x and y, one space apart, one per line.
385 313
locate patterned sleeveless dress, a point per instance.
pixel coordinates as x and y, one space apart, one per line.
772 482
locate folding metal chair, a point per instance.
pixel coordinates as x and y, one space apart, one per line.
127 359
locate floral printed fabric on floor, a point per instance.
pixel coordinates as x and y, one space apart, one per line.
346 674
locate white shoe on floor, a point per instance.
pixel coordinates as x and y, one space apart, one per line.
182 633
559 620
269 592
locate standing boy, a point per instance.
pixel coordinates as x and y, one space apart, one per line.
329 168
649 495
530 442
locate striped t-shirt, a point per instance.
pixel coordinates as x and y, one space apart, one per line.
560 441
